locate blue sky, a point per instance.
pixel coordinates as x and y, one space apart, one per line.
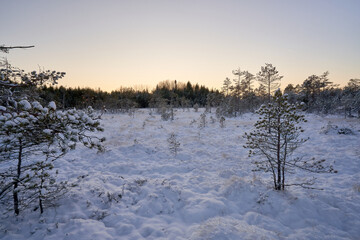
108 44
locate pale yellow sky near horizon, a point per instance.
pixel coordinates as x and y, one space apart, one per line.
112 44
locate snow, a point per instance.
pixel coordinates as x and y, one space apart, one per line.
9 123
37 105
21 120
25 104
48 131
137 189
52 105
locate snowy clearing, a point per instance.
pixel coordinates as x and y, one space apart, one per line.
138 189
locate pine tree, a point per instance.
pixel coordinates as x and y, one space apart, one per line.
222 122
237 89
226 86
351 97
269 77
34 136
247 82
30 129
202 120
196 107
277 146
174 144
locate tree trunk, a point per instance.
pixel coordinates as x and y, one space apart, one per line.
41 187
269 89
278 157
16 182
283 164
63 99
283 178
274 176
345 112
41 206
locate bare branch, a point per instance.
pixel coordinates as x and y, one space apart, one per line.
6 49
307 184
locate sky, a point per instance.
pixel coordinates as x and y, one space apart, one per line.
110 44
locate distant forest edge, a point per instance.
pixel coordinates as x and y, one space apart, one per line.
318 94
165 93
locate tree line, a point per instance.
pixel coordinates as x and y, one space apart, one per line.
176 94
317 93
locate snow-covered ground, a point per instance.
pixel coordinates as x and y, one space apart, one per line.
137 189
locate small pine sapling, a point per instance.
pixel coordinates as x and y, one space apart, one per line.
44 186
276 137
174 144
131 112
172 114
222 122
165 114
202 120
196 107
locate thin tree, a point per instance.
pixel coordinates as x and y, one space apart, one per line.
247 82
237 89
226 86
269 77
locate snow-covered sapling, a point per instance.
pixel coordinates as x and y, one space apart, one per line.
222 122
202 120
276 137
43 186
131 112
196 107
174 144
165 114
